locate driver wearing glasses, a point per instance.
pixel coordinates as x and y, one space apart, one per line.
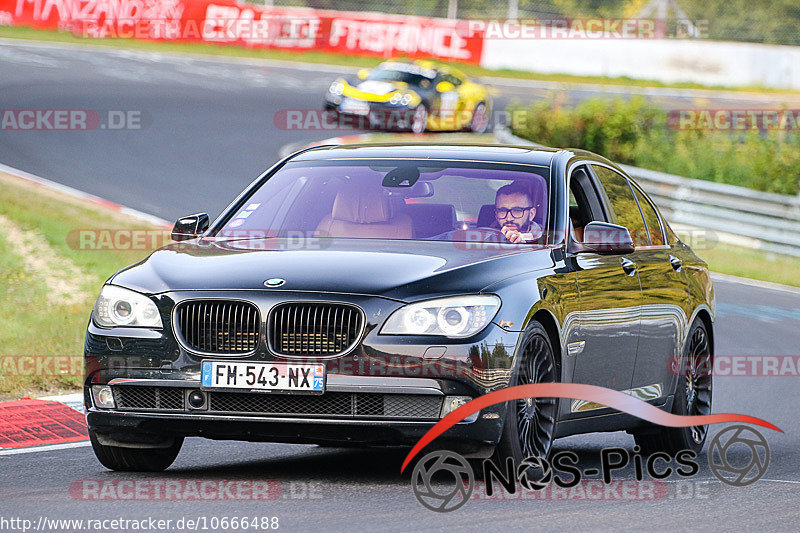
514 212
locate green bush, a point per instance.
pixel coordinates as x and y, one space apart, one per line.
636 132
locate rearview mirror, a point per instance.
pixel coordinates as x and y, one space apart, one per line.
363 73
604 238
190 227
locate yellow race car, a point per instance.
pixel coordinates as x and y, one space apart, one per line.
411 95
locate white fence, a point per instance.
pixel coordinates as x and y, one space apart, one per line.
666 60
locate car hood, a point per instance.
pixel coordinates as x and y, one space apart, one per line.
399 270
375 90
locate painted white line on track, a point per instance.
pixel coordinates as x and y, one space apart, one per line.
494 80
716 276
45 448
165 56
74 400
637 89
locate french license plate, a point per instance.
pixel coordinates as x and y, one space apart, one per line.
356 107
264 377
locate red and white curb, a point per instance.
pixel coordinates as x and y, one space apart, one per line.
42 424
83 196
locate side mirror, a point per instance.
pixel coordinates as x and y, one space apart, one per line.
363 73
190 227
604 238
444 87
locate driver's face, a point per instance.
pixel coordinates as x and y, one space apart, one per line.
510 201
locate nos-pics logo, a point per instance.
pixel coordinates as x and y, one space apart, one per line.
738 456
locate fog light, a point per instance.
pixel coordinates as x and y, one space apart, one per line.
103 397
197 400
451 403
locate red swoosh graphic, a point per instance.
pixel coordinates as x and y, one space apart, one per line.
590 393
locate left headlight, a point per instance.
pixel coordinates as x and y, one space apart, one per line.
122 307
336 88
456 316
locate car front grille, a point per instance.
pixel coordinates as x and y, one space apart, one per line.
330 404
218 326
314 329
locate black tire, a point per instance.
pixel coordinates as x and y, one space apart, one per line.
135 459
693 394
418 119
537 365
479 122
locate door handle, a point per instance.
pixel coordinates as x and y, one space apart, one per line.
676 263
628 266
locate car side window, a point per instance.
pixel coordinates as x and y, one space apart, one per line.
623 204
584 203
455 80
651 218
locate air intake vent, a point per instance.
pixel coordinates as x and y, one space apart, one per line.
218 326
156 398
314 329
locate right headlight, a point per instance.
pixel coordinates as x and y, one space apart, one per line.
454 316
122 307
336 88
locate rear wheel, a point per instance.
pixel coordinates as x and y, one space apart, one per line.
692 397
135 459
530 423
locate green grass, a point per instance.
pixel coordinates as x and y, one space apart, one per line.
638 132
432 138
754 264
19 32
30 323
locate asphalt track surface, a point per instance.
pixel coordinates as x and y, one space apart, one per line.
209 131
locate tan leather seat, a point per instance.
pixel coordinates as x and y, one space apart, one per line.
364 213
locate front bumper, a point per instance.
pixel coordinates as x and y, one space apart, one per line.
380 368
379 116
133 428
405 424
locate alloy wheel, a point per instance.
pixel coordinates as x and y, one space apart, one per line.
536 416
698 381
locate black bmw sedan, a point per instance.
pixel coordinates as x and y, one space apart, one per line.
356 295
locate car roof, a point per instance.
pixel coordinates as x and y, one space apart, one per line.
495 153
430 64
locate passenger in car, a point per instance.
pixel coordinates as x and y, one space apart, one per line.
514 212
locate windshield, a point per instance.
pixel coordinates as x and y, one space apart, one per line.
396 199
396 75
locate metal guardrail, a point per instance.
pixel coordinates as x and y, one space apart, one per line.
736 215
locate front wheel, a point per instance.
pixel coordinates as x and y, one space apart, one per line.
692 397
135 459
530 423
480 120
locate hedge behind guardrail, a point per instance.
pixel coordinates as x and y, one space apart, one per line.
636 132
